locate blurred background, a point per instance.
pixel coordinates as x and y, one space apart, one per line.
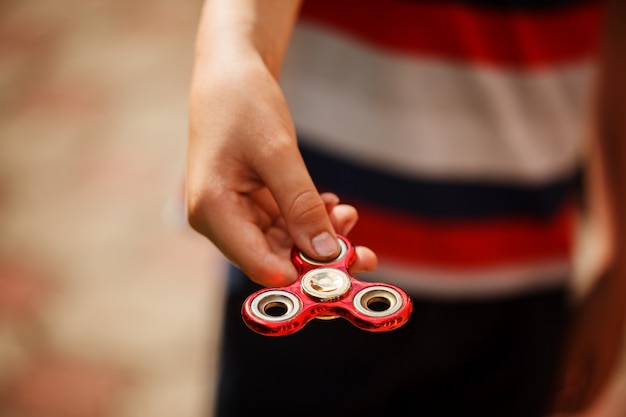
109 303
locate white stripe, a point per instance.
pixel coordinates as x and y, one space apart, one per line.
437 118
493 282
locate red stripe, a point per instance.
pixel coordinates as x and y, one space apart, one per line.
467 245
502 38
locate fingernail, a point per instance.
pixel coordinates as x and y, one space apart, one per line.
324 244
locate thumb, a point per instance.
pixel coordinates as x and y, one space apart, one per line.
301 205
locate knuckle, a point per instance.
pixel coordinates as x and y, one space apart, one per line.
306 208
195 208
194 221
276 148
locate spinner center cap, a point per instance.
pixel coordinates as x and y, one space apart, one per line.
325 284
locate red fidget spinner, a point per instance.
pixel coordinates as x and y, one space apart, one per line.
326 290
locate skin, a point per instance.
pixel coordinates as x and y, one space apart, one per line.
596 335
249 192
248 189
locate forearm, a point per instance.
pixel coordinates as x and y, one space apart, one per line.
240 46
235 33
612 138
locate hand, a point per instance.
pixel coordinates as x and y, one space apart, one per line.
593 348
248 189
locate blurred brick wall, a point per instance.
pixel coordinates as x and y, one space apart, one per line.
108 302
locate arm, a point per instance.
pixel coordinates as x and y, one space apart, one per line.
596 339
248 189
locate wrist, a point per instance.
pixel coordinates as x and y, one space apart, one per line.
228 67
243 29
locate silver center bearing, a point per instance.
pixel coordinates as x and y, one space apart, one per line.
325 284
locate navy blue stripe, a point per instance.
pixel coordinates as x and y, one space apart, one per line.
438 199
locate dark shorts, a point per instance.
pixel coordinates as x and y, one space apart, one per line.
453 358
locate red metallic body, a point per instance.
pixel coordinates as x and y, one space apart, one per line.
341 306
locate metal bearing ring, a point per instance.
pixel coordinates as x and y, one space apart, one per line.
276 305
377 301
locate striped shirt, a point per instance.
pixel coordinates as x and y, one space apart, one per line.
455 127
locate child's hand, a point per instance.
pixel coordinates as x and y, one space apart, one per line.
248 189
